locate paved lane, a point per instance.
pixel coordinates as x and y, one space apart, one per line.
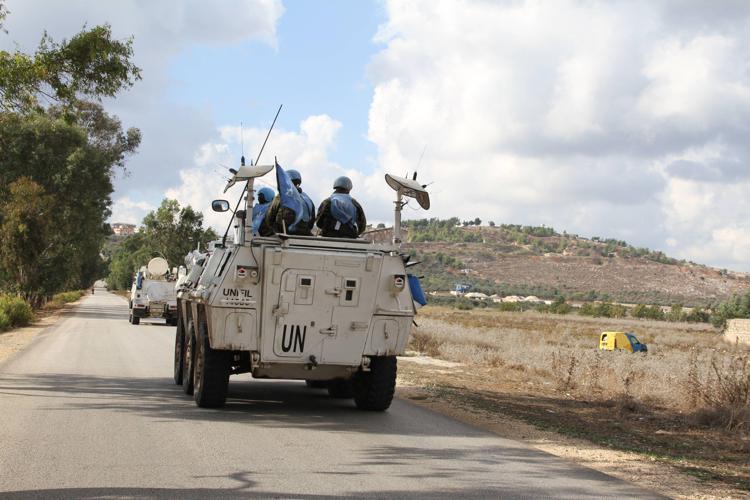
89 410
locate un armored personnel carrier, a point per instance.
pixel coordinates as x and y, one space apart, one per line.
153 293
334 312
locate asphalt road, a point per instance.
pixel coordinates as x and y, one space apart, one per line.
89 410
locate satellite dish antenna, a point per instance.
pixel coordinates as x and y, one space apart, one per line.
408 188
158 266
247 172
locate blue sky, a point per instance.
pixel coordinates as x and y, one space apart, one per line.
319 66
616 119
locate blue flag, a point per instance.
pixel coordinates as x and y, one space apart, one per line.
290 197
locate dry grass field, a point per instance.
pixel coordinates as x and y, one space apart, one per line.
686 401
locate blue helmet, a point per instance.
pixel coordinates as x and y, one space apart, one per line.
265 195
294 176
343 182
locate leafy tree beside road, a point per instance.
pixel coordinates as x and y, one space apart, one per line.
60 150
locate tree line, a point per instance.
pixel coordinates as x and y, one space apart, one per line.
60 151
170 232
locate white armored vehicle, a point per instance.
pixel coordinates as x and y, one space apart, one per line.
333 312
153 293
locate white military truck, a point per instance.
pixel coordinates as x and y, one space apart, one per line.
153 293
333 312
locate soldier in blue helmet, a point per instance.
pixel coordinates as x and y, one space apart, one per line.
265 197
278 217
340 216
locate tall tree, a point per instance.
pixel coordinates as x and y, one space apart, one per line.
173 231
29 254
91 65
74 164
65 147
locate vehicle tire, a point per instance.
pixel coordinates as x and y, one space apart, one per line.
373 390
130 318
316 384
136 320
212 367
188 359
340 388
179 355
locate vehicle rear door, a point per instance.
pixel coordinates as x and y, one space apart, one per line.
304 310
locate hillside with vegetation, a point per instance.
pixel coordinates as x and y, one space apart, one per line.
512 259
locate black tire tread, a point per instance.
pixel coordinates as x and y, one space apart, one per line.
179 355
188 365
373 390
211 391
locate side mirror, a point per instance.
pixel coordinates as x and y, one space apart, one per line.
220 205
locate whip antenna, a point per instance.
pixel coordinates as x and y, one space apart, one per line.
244 190
421 156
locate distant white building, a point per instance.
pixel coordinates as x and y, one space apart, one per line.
512 298
123 229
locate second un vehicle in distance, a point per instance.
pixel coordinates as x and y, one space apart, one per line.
153 293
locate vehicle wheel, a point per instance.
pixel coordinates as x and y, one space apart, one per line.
340 388
179 355
188 359
212 367
316 384
130 318
374 390
136 320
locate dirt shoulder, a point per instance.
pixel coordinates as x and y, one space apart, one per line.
658 457
17 339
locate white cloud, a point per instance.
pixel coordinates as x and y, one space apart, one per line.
126 210
623 119
306 150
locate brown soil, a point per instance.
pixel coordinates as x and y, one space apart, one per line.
17 339
652 447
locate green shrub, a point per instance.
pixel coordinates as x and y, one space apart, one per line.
4 321
676 313
510 306
697 315
736 307
648 312
15 311
65 297
464 305
62 298
603 310
559 306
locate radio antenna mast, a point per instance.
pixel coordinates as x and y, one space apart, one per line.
244 190
421 156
